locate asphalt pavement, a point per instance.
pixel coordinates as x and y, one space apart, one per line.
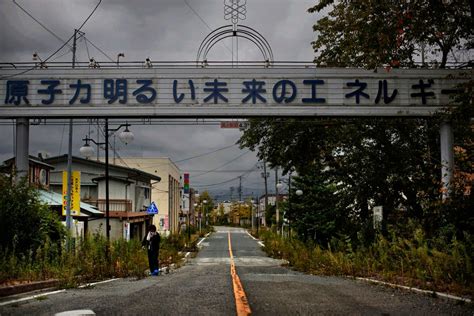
204 286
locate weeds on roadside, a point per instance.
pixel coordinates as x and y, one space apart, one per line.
87 261
412 262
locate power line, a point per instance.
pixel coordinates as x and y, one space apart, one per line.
205 154
42 25
227 181
100 50
62 46
202 20
225 164
87 49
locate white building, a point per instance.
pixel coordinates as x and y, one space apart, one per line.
129 194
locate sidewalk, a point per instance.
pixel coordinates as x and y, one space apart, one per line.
14 289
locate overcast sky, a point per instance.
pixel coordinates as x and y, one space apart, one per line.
165 30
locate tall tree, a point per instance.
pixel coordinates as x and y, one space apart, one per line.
390 33
393 163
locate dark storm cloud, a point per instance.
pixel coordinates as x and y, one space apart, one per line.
161 30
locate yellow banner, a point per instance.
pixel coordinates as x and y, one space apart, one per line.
75 193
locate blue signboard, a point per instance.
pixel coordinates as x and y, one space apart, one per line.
152 209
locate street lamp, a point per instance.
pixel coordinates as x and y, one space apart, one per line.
118 58
87 151
254 217
205 211
42 63
279 186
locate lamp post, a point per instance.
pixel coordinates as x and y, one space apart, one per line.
278 186
205 211
196 198
253 213
118 58
125 136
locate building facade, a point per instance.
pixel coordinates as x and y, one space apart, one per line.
129 194
166 194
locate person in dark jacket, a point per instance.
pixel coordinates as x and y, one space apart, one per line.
152 244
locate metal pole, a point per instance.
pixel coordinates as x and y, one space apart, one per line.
258 215
74 49
69 151
276 201
189 220
266 187
289 201
69 179
447 158
253 215
21 148
240 188
107 225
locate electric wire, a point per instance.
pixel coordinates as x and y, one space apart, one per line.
87 50
100 50
205 154
225 164
202 20
42 25
61 47
62 55
243 175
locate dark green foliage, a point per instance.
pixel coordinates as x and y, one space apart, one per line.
25 223
437 265
315 215
347 166
375 33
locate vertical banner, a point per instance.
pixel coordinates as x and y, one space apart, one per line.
377 217
126 231
186 183
166 223
75 193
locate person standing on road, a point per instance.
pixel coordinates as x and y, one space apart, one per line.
152 243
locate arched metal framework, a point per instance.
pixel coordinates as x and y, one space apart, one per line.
241 31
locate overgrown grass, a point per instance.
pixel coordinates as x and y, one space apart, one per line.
87 261
411 262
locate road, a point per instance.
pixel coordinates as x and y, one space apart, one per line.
205 286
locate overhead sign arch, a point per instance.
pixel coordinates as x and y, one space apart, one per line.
226 92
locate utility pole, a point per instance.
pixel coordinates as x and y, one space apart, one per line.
240 188
265 175
276 199
69 150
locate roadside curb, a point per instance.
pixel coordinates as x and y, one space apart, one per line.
414 289
27 287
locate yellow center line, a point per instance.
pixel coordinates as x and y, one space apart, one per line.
241 303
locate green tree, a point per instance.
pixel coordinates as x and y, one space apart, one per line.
25 223
385 33
393 163
316 215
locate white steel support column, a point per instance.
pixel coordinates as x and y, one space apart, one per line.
447 158
21 149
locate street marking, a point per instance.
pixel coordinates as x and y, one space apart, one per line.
31 297
261 244
251 236
53 292
414 289
241 303
199 243
100 282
